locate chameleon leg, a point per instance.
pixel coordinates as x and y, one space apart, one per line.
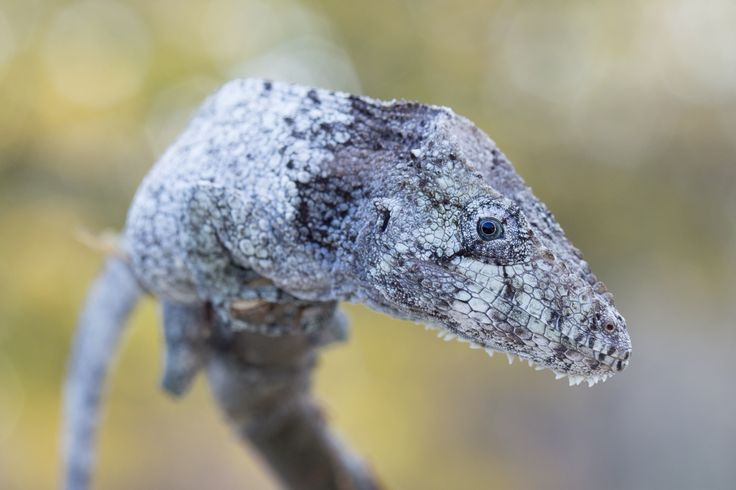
226 281
186 331
209 210
262 385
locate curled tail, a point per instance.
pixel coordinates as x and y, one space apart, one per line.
109 302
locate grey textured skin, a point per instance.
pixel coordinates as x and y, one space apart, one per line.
330 197
279 201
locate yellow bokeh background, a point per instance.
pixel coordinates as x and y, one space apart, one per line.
621 116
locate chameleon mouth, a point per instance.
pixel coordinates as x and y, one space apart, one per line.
566 348
617 360
603 364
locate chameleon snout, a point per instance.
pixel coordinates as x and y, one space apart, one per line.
607 344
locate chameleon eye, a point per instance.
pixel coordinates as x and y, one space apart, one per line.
489 229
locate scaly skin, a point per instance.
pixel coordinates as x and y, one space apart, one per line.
279 201
278 192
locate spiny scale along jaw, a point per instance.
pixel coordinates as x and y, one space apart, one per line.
449 249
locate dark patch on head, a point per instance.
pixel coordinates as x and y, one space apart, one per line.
324 203
267 85
385 216
413 160
516 340
299 135
560 351
399 126
508 291
312 95
360 106
554 318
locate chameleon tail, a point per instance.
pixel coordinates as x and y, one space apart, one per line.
109 302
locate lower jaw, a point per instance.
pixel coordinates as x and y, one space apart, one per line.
449 334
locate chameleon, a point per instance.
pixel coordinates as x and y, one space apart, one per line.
280 194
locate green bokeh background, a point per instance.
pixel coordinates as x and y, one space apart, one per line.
621 116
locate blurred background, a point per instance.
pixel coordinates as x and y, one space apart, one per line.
621 116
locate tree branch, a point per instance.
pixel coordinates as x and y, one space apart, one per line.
262 384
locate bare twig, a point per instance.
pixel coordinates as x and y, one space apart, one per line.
262 385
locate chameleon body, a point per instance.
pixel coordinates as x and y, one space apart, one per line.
278 193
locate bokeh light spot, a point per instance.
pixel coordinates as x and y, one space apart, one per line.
233 28
7 42
309 60
172 108
96 52
549 53
11 399
702 40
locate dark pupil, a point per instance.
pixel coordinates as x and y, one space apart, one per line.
488 227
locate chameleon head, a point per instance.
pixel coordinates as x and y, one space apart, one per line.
459 256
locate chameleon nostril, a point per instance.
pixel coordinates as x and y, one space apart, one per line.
610 327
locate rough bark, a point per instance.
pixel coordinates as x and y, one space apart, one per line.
262 384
